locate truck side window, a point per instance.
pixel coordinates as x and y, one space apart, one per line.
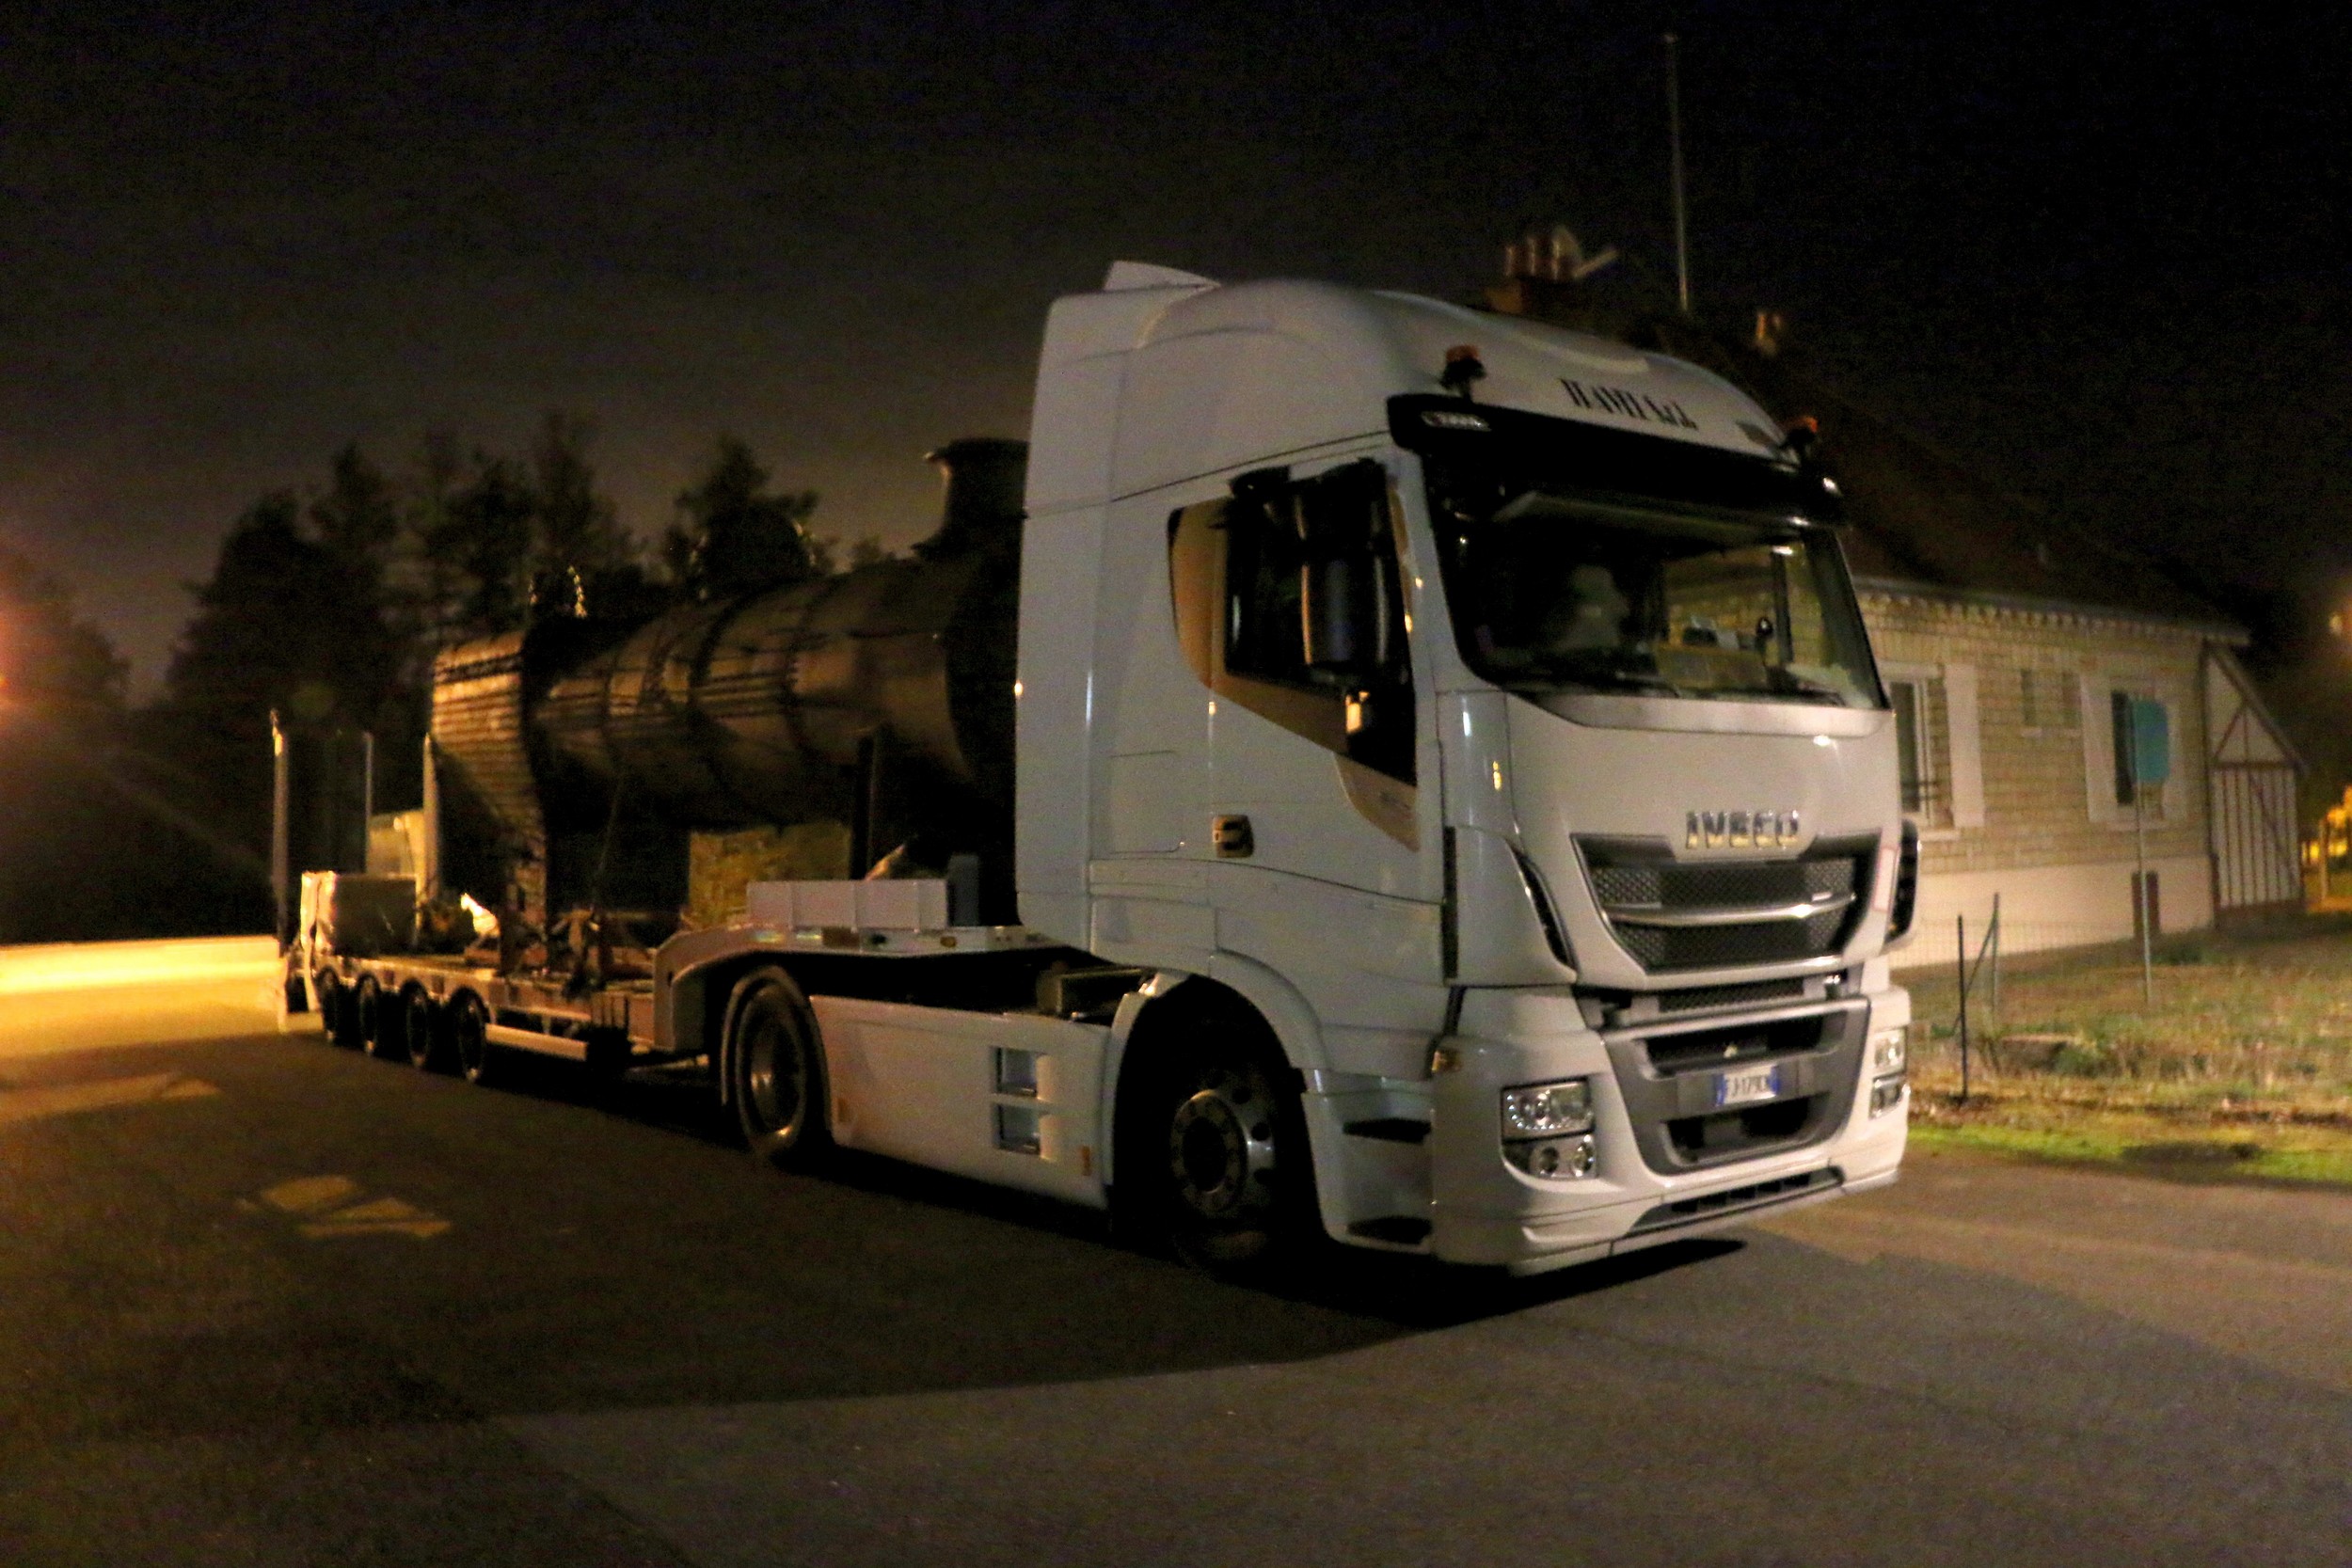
1305 623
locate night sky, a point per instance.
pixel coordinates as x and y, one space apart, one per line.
2099 249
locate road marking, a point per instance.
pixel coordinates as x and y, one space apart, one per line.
381 1217
333 1208
311 1194
59 1099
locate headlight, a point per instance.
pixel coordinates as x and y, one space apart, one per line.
1889 1048
1548 1110
1557 1159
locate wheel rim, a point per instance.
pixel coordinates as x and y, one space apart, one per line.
1220 1151
775 1076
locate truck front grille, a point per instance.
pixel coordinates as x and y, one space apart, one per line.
1673 915
1668 1072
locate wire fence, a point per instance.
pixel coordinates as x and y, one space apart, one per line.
2249 1017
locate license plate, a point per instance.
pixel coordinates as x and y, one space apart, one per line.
1748 1085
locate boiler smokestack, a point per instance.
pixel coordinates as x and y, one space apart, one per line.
984 477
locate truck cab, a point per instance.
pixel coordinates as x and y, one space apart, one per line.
1480 712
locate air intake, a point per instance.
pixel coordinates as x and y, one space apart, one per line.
1674 916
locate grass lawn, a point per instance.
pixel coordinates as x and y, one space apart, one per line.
2241 1067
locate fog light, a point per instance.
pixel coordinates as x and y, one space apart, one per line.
1890 1049
1554 1159
1886 1094
1545 1110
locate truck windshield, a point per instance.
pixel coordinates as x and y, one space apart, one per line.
1554 591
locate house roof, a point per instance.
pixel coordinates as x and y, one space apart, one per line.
1918 521
1922 522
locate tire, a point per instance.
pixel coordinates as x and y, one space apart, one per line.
427 1033
1223 1156
383 1023
469 1026
339 1006
776 1071
349 1018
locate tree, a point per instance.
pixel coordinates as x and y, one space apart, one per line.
49 656
472 533
584 561
494 542
734 536
356 518
298 620
92 844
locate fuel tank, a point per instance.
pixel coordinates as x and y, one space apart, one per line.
792 705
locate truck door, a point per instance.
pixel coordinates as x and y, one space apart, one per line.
1293 596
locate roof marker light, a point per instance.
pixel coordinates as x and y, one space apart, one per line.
1462 368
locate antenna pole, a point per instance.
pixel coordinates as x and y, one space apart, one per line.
1674 142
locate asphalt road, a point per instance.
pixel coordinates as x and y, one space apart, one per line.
263 1300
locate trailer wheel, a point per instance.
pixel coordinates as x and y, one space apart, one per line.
427 1034
349 1016
1225 1164
470 1037
383 1022
777 1072
329 986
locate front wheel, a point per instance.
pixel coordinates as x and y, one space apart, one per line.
1228 1162
777 1072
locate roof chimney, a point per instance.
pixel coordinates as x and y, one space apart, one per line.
1544 277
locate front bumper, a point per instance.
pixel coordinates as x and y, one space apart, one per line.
1484 1211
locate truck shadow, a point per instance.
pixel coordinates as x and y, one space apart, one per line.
870 1277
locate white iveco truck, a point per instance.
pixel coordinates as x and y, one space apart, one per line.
1444 799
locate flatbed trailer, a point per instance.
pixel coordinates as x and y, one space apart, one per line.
1035 1026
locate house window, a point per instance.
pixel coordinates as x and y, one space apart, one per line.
1922 792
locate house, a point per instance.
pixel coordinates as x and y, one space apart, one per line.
2013 648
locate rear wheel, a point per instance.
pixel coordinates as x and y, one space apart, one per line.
777 1072
469 1038
428 1042
350 1024
328 988
383 1022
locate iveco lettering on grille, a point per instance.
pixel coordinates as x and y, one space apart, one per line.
1739 829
